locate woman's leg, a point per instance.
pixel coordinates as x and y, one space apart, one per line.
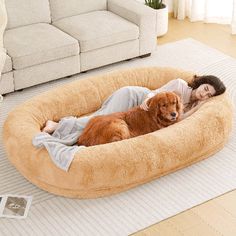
122 100
50 126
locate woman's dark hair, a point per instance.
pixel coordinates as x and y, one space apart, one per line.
208 79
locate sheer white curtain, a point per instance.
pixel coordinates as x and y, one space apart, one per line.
3 22
209 11
233 23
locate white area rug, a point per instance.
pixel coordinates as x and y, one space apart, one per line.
128 212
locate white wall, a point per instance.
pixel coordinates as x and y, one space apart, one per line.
170 5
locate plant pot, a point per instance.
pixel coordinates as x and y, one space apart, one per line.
161 21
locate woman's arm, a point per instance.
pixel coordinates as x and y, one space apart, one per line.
176 86
192 110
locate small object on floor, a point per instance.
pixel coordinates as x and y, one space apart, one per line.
14 206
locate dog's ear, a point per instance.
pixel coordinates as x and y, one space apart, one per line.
149 101
154 104
179 101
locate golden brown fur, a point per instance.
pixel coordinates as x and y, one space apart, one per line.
123 125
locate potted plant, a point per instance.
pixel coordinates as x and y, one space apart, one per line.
161 15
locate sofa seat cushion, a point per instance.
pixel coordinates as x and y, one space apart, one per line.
8 65
38 43
98 29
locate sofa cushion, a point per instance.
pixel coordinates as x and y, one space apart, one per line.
98 29
107 55
45 72
38 43
61 9
8 65
7 83
26 12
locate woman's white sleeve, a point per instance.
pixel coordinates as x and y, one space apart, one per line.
173 85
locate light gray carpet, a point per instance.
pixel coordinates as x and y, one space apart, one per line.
128 212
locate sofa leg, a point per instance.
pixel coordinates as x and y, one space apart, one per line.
145 55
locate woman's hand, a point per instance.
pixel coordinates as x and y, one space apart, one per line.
144 105
200 103
192 110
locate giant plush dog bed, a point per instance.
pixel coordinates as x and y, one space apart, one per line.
111 168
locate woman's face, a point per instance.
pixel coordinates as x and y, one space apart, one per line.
205 91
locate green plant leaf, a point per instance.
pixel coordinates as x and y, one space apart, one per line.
155 4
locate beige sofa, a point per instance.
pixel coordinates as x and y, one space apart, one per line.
51 39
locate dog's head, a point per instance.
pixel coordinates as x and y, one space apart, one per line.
166 106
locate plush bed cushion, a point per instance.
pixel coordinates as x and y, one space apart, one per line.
38 43
111 168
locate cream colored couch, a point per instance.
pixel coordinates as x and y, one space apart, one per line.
51 39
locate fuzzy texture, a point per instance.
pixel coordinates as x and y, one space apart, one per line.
111 168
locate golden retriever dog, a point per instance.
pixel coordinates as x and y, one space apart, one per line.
164 110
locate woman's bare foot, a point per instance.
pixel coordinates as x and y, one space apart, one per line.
50 127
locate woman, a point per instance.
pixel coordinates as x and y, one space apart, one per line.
193 94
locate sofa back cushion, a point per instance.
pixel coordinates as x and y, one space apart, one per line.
27 12
66 8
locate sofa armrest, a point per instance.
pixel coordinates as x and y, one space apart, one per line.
141 15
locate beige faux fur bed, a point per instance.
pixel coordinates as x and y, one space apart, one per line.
111 168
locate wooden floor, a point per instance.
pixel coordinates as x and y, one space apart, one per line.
214 35
217 216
